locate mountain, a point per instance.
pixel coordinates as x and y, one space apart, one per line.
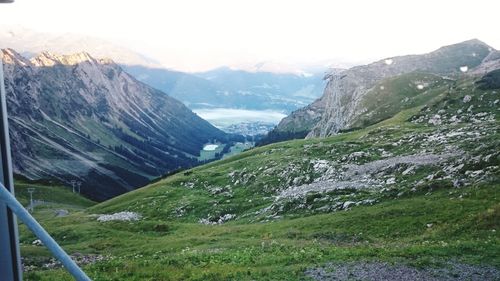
193 91
256 94
265 86
29 43
299 68
266 90
77 117
238 89
352 97
412 197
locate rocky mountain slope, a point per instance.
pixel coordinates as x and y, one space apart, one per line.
77 117
348 95
412 197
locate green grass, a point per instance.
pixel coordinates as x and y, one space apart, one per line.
54 198
423 220
464 222
394 230
51 194
392 95
238 148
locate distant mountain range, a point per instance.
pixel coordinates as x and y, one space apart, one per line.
77 117
263 86
30 43
367 94
229 88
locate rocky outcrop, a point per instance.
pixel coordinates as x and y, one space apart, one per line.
78 117
489 63
345 89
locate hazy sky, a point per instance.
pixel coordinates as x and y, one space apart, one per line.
196 35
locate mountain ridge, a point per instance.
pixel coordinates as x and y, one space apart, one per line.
345 89
77 117
32 42
229 88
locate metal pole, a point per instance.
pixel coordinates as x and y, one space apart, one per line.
10 257
46 239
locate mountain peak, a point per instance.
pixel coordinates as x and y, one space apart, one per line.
477 42
468 44
49 59
474 41
341 105
9 56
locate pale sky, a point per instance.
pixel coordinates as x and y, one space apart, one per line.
193 35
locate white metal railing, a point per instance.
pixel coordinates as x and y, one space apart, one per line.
39 231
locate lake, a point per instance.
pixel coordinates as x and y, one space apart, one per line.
223 117
210 147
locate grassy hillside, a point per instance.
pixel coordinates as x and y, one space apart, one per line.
392 95
51 202
419 189
395 231
50 194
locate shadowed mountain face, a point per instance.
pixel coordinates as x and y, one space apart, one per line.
76 117
349 95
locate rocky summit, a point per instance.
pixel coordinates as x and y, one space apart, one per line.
75 117
356 95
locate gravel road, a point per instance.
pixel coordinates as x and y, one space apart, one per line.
378 271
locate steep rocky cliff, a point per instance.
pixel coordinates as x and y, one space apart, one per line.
343 98
77 117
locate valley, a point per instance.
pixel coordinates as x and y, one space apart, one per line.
251 94
255 169
407 194
74 117
237 101
242 121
